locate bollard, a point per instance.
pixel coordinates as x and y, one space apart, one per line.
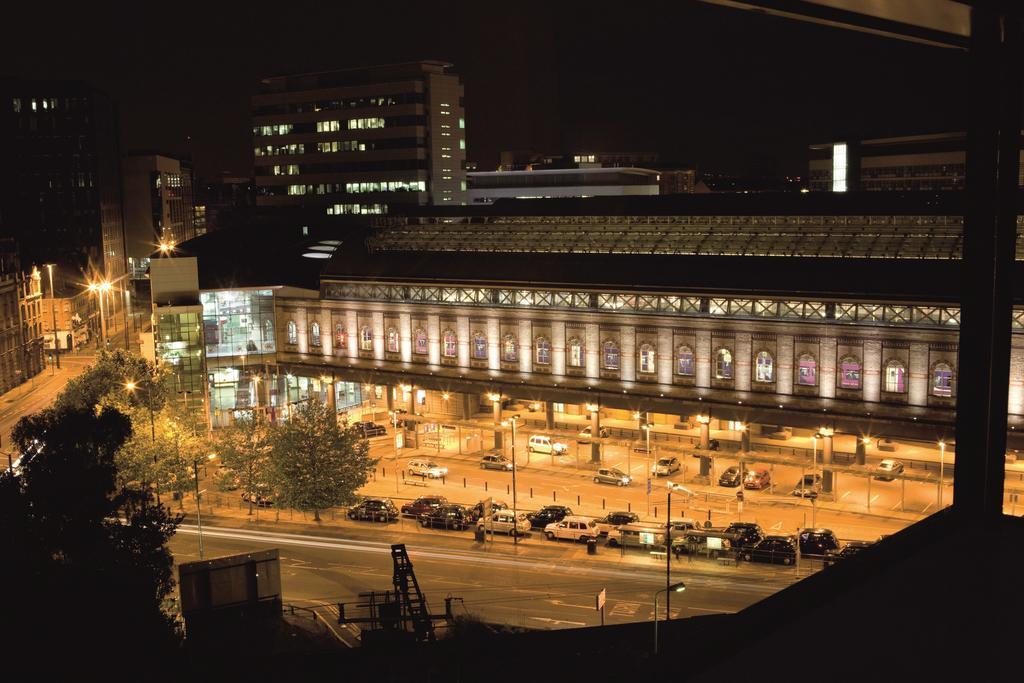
578 500
655 511
531 492
602 503
507 489
463 482
629 506
554 496
444 481
485 486
383 473
403 475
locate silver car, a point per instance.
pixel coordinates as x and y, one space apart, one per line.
504 522
612 475
666 466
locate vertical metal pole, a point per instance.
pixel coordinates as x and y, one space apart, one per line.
53 312
668 557
942 467
199 513
515 507
656 621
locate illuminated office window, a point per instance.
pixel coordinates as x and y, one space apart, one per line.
839 167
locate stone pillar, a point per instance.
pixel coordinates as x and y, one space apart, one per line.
917 386
861 451
592 346
332 397
666 356
557 348
595 432
871 370
493 344
742 354
827 368
525 346
745 440
627 353
389 393
469 405
826 461
326 332
411 406
434 339
496 407
549 415
405 336
378 335
463 333
302 321
703 358
352 333
784 360
705 438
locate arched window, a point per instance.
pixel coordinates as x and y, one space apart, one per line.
543 351
509 349
610 355
849 373
764 367
419 341
807 370
942 380
479 346
684 361
366 339
647 354
293 332
895 377
392 340
314 334
340 338
449 344
723 364
577 356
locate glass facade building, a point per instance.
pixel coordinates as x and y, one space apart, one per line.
238 322
179 344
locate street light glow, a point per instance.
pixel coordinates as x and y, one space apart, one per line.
130 386
494 397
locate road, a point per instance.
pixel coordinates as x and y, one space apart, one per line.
540 587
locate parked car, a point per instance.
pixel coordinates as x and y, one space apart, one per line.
807 487
545 445
757 479
374 510
426 468
496 461
773 549
572 527
612 475
261 499
423 504
730 477
448 516
614 519
888 468
548 514
666 466
847 551
504 522
637 535
477 511
583 438
745 534
817 542
369 429
713 445
682 525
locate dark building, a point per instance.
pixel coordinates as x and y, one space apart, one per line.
361 141
158 205
223 202
60 184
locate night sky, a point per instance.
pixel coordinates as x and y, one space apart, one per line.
726 90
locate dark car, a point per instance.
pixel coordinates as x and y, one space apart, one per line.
368 429
772 549
495 461
817 542
477 511
713 445
261 498
548 514
730 477
423 505
583 438
744 534
614 519
447 517
374 510
757 479
847 551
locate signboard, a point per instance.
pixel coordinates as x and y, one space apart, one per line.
647 537
714 543
600 599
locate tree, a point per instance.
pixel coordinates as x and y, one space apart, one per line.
74 543
245 448
317 464
107 381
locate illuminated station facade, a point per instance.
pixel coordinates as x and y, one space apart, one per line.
774 314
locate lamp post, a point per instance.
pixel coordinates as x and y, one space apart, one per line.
53 313
667 590
199 511
515 508
814 479
100 289
942 467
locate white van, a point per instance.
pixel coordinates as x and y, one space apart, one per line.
637 535
545 445
574 528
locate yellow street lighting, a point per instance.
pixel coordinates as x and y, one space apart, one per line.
741 427
130 386
494 397
704 419
592 407
825 431
166 247
445 396
865 441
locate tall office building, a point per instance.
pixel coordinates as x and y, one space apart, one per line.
60 180
361 141
157 205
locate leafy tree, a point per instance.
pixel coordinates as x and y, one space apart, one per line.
316 463
106 381
76 544
245 449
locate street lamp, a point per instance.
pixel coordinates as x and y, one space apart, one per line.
100 289
166 248
814 477
942 467
53 315
667 590
131 386
515 510
199 511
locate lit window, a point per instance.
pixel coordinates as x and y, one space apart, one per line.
462 144
942 380
807 371
479 346
420 338
392 340
647 355
314 334
293 332
339 337
610 357
448 348
839 168
723 364
543 351
764 370
509 349
849 373
576 353
365 339
462 123
895 377
684 361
